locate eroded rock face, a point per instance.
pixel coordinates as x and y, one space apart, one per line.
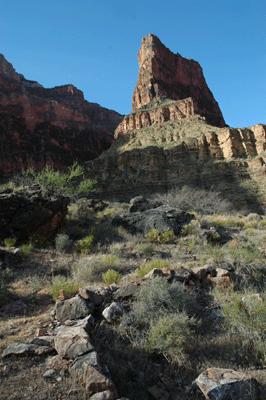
165 76
41 126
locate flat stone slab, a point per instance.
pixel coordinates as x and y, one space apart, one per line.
24 349
95 381
226 384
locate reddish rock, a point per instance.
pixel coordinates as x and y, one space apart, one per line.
55 126
164 75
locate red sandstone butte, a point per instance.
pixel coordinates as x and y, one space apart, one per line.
164 75
55 126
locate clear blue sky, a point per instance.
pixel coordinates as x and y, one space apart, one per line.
93 44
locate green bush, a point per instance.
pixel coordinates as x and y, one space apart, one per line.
161 318
158 263
146 249
85 246
110 276
10 242
170 335
26 249
60 282
152 236
62 242
109 260
167 237
245 315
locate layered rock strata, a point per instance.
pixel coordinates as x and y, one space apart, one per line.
165 75
41 126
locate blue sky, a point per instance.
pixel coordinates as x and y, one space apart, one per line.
93 44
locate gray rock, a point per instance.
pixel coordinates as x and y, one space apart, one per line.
91 359
153 273
113 312
106 395
49 373
225 384
74 308
126 291
95 381
162 218
72 341
24 349
90 293
43 341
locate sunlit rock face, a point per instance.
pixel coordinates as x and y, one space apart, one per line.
55 126
165 76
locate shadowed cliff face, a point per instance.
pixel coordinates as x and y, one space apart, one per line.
169 87
41 126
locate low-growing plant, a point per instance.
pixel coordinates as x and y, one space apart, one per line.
146 249
38 240
245 314
85 246
170 335
110 276
60 282
62 242
26 249
158 263
152 236
10 242
109 260
167 237
250 232
6 275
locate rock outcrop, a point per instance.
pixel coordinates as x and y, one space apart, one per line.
41 126
169 87
22 216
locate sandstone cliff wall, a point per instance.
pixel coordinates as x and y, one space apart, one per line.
41 126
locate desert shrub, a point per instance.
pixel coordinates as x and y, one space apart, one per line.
152 236
158 314
216 252
262 224
60 282
85 246
57 182
26 249
245 315
253 217
250 232
224 222
252 224
109 260
62 242
170 335
167 237
158 263
197 200
110 276
38 240
146 249
91 270
9 242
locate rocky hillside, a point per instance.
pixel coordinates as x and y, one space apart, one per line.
41 126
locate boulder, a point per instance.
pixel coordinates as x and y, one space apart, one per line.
225 384
106 395
162 218
126 291
73 308
92 359
95 381
72 342
114 312
22 215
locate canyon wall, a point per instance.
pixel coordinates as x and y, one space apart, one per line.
55 126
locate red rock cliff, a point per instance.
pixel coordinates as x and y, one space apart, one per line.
54 126
165 75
